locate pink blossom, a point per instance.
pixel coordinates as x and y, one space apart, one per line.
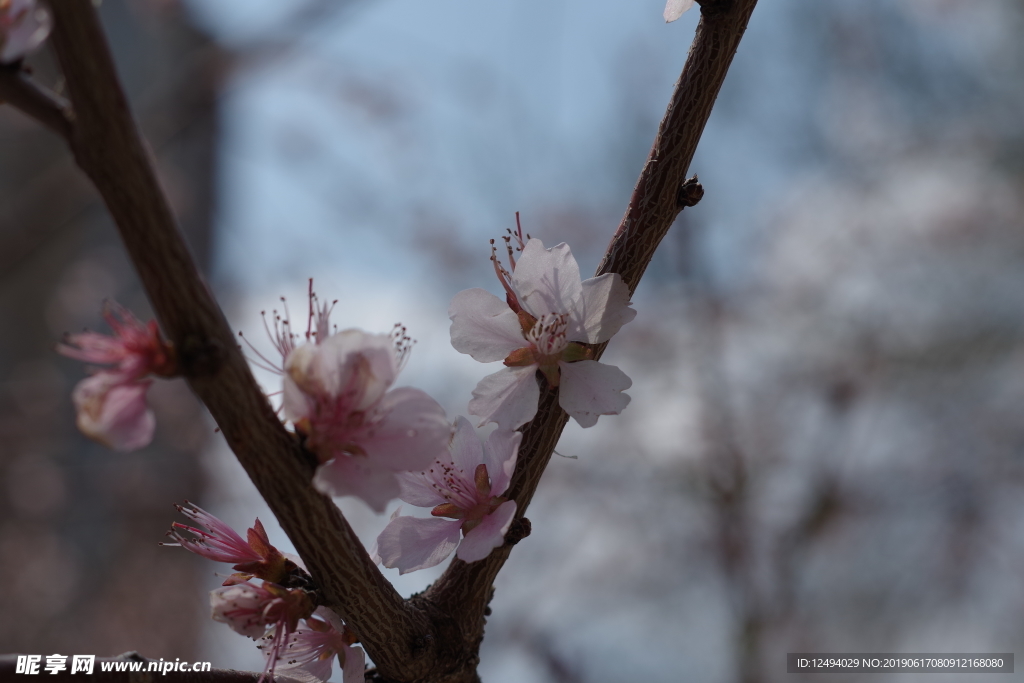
24 25
219 542
465 487
675 9
307 654
114 411
547 316
111 404
337 394
251 609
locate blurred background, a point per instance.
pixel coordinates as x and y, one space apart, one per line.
825 447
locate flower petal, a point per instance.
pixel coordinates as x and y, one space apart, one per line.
296 403
24 25
500 453
675 8
589 389
465 448
508 397
412 434
347 475
355 665
487 535
606 308
114 412
483 326
411 543
355 363
548 280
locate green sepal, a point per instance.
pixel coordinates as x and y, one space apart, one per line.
574 352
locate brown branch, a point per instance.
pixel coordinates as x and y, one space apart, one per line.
465 589
108 147
22 93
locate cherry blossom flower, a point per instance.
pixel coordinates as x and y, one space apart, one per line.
464 487
675 9
219 542
547 315
111 404
251 609
24 25
338 395
307 654
254 610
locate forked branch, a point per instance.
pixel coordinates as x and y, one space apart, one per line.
434 637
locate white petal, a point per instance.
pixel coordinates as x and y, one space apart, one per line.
466 450
355 476
675 8
588 389
508 397
418 489
548 280
483 326
411 543
296 403
487 535
606 308
500 453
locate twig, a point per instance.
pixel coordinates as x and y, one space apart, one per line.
465 589
108 147
21 92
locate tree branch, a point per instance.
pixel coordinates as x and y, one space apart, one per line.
21 92
109 148
465 589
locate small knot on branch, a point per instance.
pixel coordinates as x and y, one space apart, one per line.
518 530
690 192
199 356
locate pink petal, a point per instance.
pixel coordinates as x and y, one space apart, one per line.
488 535
508 397
465 449
418 489
483 326
500 453
355 664
347 475
32 27
675 8
547 280
411 543
588 389
351 361
413 433
606 308
114 412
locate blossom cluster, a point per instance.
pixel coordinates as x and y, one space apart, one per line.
377 441
299 639
111 404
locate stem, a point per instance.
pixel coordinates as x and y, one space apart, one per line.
22 93
109 148
465 589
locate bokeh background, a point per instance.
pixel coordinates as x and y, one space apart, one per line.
825 447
